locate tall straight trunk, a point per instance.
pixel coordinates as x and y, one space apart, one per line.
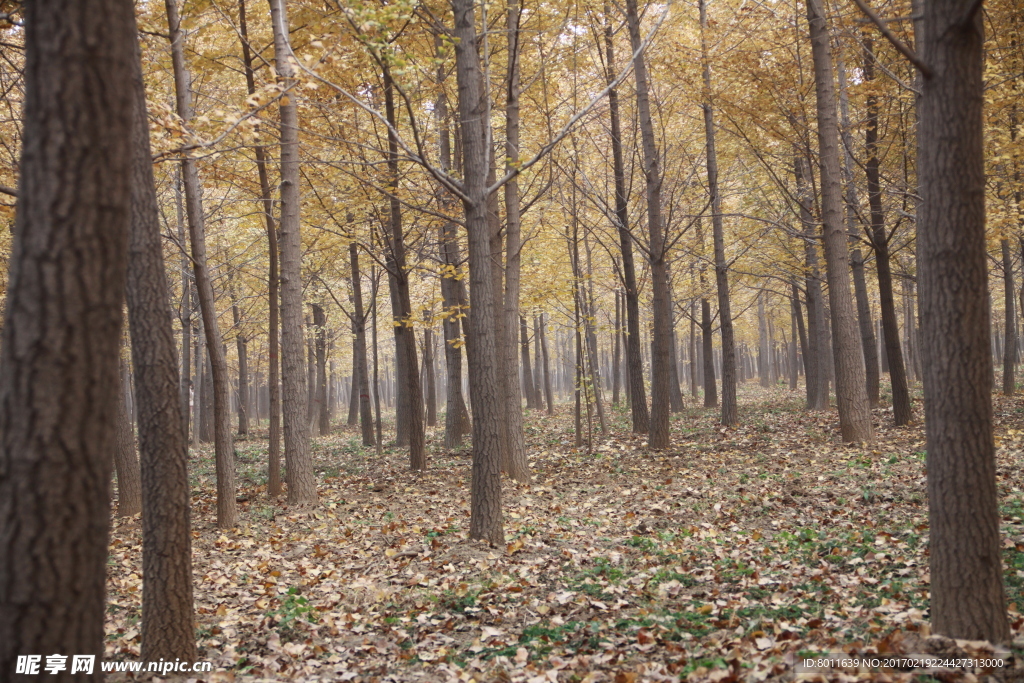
429 382
817 344
360 373
1009 322
243 372
538 369
708 342
227 509
405 337
273 298
851 392
298 460
198 364
634 361
323 420
901 408
376 365
762 343
729 416
485 492
794 315
61 330
658 437
524 342
206 416
311 416
967 598
185 375
353 388
126 462
860 288
694 374
168 613
548 394
804 344
617 353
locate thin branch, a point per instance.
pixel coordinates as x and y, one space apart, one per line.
896 42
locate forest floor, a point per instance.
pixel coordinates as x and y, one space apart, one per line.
730 557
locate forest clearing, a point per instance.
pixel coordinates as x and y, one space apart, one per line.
727 557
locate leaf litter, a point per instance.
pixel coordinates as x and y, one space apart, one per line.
729 557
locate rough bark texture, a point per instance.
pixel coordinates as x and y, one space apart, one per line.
967 599
729 415
298 461
227 509
851 393
485 495
62 328
273 370
634 361
168 613
658 436
323 417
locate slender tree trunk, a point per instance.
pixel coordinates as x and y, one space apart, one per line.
617 354
524 342
126 462
762 343
298 461
729 416
901 408
794 319
429 383
405 338
548 394
658 438
851 393
1010 322
243 373
186 307
634 361
273 298
485 495
814 351
320 406
227 510
967 598
168 613
376 366
61 331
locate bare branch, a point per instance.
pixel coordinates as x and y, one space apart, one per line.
896 42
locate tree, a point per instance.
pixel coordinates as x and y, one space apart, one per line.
851 388
966 578
62 329
126 462
227 509
298 460
168 613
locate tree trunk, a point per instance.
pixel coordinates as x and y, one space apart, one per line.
901 408
524 341
851 393
967 598
1010 322
411 397
429 383
634 362
485 495
227 509
126 462
729 416
243 373
186 306
62 328
658 438
320 406
298 461
360 374
762 344
548 395
617 354
273 371
168 613
814 357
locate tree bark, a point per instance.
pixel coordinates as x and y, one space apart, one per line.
548 394
360 374
168 613
186 306
1009 322
61 331
429 382
967 598
273 297
243 372
851 393
814 356
524 342
323 421
227 509
901 408
729 415
298 461
485 495
634 361
658 437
